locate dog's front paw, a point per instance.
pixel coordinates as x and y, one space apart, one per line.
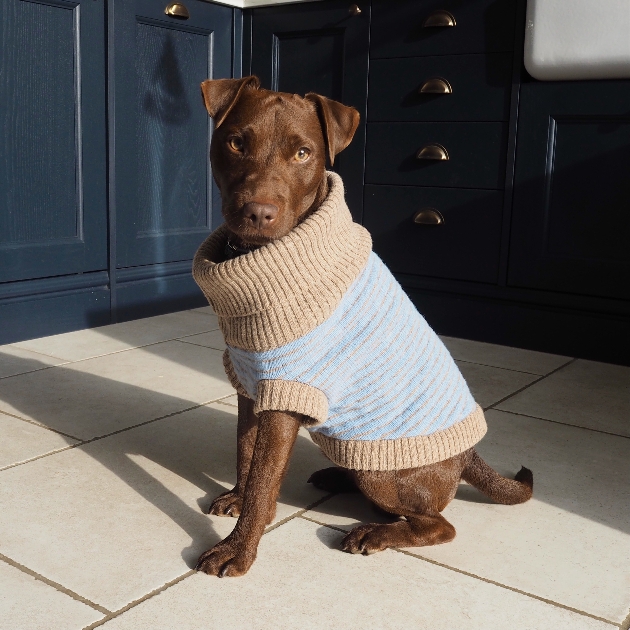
227 504
366 539
226 559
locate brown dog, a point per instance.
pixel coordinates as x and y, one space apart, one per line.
268 156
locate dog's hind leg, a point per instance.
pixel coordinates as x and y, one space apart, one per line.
334 479
418 495
231 503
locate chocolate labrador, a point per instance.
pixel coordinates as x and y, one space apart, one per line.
269 153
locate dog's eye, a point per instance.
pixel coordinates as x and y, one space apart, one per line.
236 144
303 154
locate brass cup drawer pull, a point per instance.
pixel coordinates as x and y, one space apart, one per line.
354 10
437 85
439 19
428 216
177 10
434 152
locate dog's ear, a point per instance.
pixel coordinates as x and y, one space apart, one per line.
339 123
220 95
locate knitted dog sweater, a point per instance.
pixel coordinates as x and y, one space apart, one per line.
316 324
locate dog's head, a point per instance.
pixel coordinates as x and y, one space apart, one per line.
269 152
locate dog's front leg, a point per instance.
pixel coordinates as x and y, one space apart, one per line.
231 503
233 556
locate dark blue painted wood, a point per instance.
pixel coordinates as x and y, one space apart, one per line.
482 26
163 190
476 152
318 47
52 139
480 83
466 246
571 225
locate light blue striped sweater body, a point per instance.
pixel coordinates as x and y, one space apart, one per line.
385 373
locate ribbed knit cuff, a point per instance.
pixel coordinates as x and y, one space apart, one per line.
404 452
277 395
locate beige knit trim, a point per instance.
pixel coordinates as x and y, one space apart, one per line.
231 374
404 452
281 291
278 395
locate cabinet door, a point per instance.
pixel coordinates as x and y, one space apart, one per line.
163 184
571 213
319 47
52 139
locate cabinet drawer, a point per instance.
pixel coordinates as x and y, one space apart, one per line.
476 154
480 26
480 88
465 247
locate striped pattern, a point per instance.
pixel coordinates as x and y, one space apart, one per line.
384 373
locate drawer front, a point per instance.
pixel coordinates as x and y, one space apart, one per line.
476 154
465 246
480 26
480 88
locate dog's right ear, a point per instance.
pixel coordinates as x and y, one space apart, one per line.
220 95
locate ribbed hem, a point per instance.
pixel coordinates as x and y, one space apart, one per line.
278 395
284 289
404 452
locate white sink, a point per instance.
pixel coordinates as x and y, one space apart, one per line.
578 39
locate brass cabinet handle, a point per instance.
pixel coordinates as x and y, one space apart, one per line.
177 10
439 18
432 152
428 216
436 86
354 10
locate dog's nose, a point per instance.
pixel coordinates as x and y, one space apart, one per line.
260 214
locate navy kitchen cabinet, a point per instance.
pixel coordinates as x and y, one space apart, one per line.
105 182
164 202
53 167
499 202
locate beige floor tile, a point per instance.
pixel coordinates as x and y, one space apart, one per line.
30 604
119 517
585 393
14 360
212 339
97 396
300 580
22 440
489 384
93 342
503 356
204 310
570 543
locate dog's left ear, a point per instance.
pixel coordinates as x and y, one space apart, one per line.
220 95
339 123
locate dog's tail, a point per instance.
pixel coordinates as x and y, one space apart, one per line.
501 489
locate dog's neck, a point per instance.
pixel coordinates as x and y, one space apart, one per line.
235 246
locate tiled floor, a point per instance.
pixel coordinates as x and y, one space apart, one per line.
114 440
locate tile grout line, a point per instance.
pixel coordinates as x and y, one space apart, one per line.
38 424
534 382
564 424
106 354
167 585
53 584
116 613
199 345
625 624
496 367
478 577
102 437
